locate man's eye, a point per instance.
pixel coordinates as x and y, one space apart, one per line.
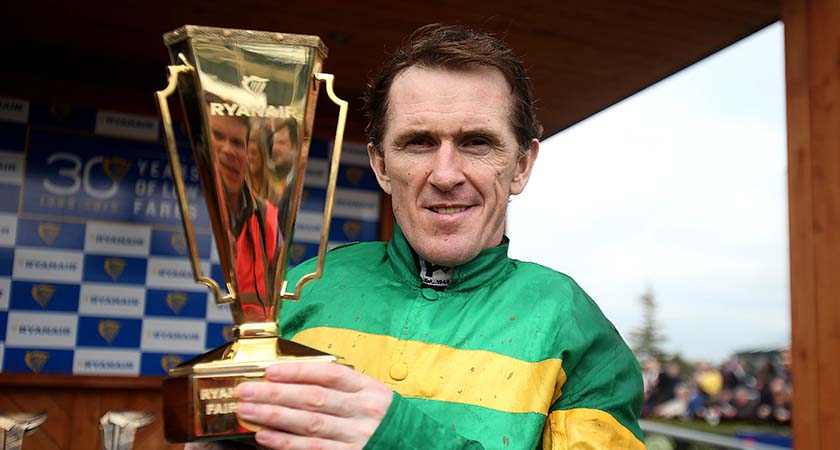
478 145
476 142
419 142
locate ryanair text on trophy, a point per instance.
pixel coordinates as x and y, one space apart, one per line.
249 100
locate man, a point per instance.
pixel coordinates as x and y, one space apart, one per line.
284 147
454 345
254 224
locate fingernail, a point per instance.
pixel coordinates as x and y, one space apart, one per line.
246 409
245 391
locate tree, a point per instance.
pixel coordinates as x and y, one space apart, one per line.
647 339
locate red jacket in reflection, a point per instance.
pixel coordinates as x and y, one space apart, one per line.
254 260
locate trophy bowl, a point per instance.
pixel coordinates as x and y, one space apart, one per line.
249 102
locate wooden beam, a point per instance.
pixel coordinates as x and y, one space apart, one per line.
812 57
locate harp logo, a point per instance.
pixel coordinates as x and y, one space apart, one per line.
354 175
36 360
114 267
109 329
48 232
297 252
169 362
351 229
116 168
227 332
179 243
254 84
42 294
176 301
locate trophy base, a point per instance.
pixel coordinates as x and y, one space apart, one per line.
199 396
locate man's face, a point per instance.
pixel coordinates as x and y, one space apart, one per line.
450 160
282 148
229 140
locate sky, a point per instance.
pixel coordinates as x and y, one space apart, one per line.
680 189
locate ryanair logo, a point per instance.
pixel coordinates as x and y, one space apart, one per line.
354 175
36 360
179 243
116 168
256 87
109 329
351 229
48 232
176 301
254 84
114 267
227 332
169 362
297 251
42 294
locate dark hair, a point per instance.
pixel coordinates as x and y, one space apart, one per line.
453 47
292 126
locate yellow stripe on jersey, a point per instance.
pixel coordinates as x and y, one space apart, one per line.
439 372
587 429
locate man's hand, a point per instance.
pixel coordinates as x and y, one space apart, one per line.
313 405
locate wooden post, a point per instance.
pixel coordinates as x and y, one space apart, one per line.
812 57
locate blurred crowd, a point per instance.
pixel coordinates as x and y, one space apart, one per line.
745 387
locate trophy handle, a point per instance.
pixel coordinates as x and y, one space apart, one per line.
336 158
172 148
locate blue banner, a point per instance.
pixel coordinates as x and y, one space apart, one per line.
111 269
40 296
108 332
159 364
171 303
38 361
173 243
35 233
95 177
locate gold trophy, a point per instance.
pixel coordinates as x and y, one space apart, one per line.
249 100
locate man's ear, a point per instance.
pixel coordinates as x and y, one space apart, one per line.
523 168
377 163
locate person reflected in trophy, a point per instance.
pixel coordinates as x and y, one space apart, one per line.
284 147
259 143
253 221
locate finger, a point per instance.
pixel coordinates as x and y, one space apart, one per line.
309 397
295 421
334 376
278 440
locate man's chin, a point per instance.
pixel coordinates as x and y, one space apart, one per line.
447 257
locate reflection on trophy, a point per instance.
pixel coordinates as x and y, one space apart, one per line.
119 427
14 426
249 99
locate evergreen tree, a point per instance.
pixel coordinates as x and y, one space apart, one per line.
647 339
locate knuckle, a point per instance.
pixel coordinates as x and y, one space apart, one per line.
373 408
273 415
314 424
315 397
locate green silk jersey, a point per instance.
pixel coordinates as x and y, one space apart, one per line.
510 355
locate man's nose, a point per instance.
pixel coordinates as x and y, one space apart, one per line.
447 168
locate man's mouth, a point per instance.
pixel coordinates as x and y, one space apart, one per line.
449 210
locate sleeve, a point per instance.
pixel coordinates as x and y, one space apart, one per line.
601 394
407 428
